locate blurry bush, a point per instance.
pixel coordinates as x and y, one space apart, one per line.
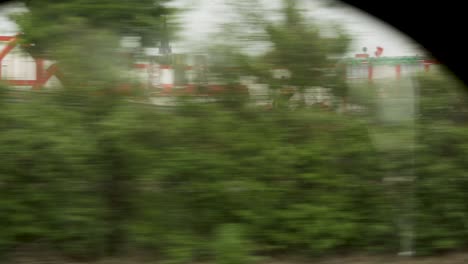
91 182
231 246
137 177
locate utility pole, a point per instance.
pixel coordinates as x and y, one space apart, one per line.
396 136
165 49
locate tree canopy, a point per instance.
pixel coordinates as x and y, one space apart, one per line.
47 22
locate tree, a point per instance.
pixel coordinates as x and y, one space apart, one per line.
293 43
84 36
47 22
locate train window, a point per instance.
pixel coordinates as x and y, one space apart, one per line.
225 132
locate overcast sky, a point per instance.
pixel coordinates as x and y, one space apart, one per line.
204 16
7 27
366 31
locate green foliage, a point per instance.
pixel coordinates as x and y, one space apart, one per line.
231 246
293 42
94 175
85 38
48 190
47 22
442 214
92 183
